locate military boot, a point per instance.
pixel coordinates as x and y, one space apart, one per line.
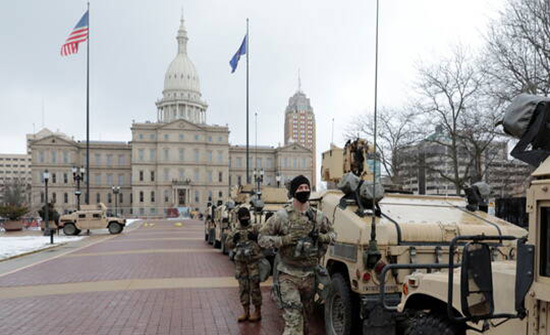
243 317
257 315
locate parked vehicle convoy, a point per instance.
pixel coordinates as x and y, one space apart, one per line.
488 294
400 229
90 217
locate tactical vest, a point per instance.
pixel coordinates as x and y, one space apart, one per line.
305 253
245 249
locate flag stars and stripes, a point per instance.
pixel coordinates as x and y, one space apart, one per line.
77 36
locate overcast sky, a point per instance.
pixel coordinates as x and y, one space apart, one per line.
133 42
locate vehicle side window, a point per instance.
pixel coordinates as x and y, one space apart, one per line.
81 216
545 241
97 216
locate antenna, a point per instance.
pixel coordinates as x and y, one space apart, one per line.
299 81
332 136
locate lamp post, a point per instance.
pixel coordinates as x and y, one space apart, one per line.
278 179
259 178
116 190
78 175
47 230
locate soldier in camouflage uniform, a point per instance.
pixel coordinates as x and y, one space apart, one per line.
302 235
244 238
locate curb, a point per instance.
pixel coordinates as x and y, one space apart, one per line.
33 252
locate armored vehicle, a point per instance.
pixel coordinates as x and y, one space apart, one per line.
90 217
485 292
221 225
375 230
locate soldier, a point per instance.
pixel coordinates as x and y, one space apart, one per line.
244 238
302 235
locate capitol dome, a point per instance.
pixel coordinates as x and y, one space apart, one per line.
181 97
181 75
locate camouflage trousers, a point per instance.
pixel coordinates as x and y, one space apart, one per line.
297 302
249 282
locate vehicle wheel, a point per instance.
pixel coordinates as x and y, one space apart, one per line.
339 307
78 232
428 324
115 228
69 229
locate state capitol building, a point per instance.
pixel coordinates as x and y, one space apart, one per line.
178 161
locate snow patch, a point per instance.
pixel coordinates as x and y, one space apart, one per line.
13 246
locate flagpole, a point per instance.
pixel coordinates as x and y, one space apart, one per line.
88 112
247 53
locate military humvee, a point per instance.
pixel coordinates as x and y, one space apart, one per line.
90 217
400 229
484 293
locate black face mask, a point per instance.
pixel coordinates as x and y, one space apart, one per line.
302 196
244 222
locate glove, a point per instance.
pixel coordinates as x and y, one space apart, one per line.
314 234
252 236
236 237
289 239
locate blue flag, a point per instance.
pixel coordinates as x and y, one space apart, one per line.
242 51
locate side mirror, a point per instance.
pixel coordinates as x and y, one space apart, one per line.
476 281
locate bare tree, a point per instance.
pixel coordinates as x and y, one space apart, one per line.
396 131
14 193
449 100
517 55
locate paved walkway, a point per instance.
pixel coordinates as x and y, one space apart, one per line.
158 278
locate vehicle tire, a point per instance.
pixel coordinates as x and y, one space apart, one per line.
339 314
78 231
115 228
69 229
433 324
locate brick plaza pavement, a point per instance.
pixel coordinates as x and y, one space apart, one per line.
156 279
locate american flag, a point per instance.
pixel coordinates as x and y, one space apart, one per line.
79 34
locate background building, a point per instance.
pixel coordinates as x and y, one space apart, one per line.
15 177
300 126
177 161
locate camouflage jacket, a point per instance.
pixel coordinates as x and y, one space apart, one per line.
245 249
300 258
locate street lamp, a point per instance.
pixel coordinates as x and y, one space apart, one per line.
278 179
116 189
47 230
78 175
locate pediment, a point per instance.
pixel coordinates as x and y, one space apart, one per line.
294 147
53 140
182 125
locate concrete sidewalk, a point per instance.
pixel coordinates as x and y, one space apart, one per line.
154 279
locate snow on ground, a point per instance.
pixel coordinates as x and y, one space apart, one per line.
131 221
17 245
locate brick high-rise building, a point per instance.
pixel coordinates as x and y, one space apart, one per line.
300 126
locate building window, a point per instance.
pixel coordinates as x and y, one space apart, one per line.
196 152
54 157
110 180
41 157
239 162
141 211
54 178
98 198
181 137
197 137
209 138
269 163
220 194
152 136
141 154
166 154
65 198
259 163
121 160
166 173
98 179
140 136
181 154
120 198
140 175
209 176
220 157
109 198
65 178
131 198
166 137
197 196
152 196
120 179
165 196
65 157
197 176
97 158
209 156
152 155
54 198
140 196
152 175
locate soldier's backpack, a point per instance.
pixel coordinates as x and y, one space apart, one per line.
527 118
